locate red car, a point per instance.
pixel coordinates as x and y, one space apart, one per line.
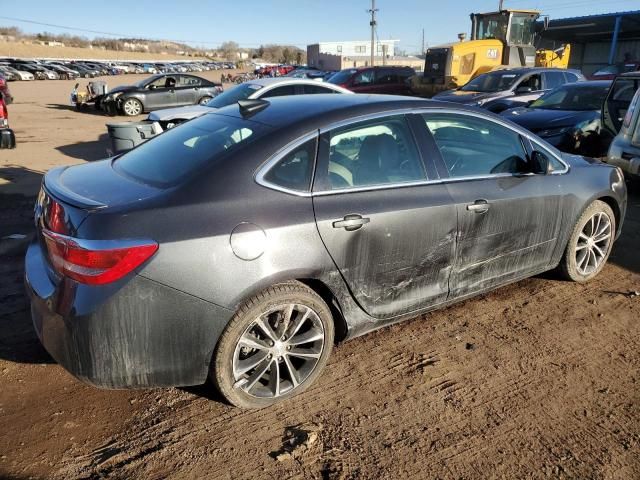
389 80
7 137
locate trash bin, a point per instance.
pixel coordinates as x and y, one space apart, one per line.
126 135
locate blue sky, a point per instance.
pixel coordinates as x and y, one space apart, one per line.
299 22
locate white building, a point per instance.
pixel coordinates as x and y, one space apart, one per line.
339 55
356 48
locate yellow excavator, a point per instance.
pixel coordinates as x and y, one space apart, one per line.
498 40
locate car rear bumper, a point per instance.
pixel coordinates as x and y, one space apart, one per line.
135 333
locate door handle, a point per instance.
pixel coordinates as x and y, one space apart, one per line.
479 206
351 222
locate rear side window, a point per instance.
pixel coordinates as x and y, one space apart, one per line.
387 76
570 77
554 79
472 147
169 158
280 91
294 170
310 89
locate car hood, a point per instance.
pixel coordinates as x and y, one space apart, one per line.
123 88
537 119
183 113
459 96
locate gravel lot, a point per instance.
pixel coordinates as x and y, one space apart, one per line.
538 379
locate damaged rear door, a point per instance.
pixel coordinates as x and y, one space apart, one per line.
508 217
390 233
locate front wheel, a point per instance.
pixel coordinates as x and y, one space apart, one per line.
274 347
132 107
590 244
204 100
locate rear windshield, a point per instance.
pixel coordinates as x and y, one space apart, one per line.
573 97
175 154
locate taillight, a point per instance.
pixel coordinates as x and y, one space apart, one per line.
95 262
55 218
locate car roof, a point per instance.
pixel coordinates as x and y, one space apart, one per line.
316 111
630 74
265 82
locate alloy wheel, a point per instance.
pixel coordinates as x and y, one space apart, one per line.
132 107
593 243
278 351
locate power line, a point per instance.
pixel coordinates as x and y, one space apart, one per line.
123 35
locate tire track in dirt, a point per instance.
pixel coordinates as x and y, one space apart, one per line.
394 356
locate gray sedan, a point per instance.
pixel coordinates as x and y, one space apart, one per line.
160 91
239 246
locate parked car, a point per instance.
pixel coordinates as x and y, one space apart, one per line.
63 72
612 71
7 137
312 74
508 88
389 80
50 74
4 90
37 71
8 75
620 117
252 90
22 75
239 245
161 91
568 117
84 71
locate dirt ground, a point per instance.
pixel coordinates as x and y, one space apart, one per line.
538 379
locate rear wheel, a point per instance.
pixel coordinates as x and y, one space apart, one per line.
132 107
590 244
204 100
274 347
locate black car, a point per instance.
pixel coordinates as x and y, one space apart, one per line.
568 118
160 91
238 245
508 88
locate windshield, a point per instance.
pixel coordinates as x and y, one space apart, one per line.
573 97
231 96
170 157
491 82
342 76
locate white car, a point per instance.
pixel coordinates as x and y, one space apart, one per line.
262 88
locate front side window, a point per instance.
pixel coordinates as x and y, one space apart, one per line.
294 170
364 78
534 82
472 146
378 152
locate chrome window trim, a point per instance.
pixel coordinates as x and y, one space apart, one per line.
276 157
266 166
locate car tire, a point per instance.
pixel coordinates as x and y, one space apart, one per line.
590 243
132 107
288 359
204 100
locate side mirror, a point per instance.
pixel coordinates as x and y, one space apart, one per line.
521 90
539 163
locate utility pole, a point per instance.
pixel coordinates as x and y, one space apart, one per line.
373 30
500 5
422 42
